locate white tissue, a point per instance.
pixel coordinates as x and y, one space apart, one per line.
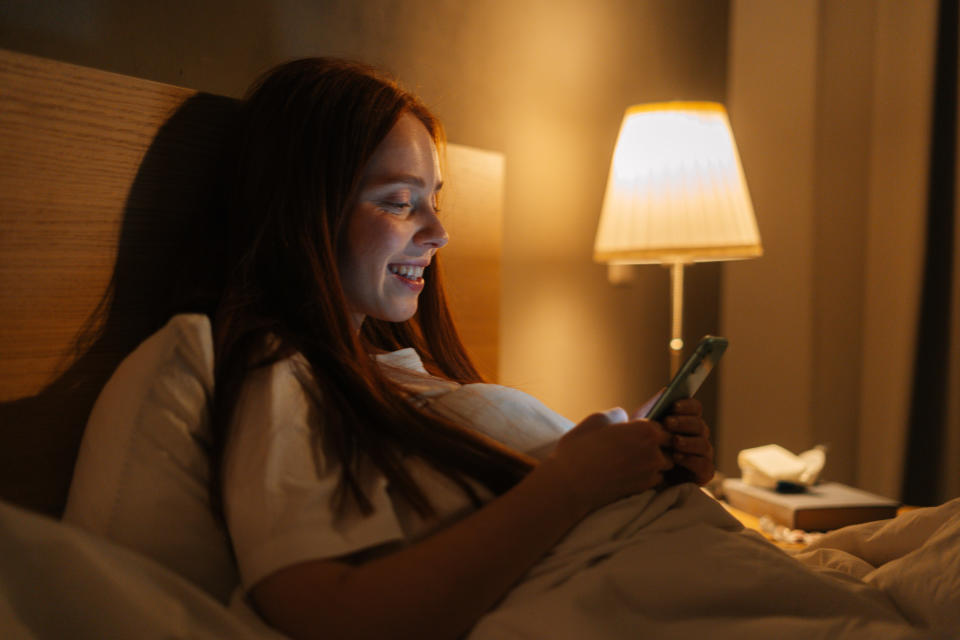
813 460
767 465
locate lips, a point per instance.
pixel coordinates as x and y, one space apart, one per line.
410 272
408 275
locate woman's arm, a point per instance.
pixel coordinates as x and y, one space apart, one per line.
439 587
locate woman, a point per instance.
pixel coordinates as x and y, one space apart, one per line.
370 493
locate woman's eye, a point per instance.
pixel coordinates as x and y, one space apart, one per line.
396 207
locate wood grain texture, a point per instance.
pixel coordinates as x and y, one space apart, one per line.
102 182
73 140
104 189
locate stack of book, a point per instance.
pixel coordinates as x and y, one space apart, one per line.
822 507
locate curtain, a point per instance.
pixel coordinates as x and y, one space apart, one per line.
847 331
932 461
908 428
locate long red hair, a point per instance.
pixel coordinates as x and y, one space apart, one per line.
307 130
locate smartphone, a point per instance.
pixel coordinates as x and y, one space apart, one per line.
690 376
688 379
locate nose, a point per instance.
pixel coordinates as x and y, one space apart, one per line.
433 233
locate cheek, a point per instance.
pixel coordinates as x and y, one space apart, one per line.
373 240
361 238
381 241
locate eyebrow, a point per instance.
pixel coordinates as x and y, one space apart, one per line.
406 178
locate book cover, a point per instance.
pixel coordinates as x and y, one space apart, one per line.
825 506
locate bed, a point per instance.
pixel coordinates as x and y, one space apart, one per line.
104 528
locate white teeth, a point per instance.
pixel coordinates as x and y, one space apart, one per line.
408 271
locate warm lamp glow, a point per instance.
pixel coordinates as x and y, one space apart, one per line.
676 194
676 190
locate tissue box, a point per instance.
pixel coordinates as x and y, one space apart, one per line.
765 466
822 507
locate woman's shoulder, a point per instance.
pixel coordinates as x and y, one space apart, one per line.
278 370
405 367
283 385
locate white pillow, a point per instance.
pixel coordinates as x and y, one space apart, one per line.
142 473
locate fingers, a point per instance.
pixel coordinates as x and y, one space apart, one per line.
701 467
643 442
618 419
691 445
657 452
687 425
654 430
657 438
694 453
597 421
615 415
606 457
603 418
687 406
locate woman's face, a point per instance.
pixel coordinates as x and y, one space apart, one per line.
393 230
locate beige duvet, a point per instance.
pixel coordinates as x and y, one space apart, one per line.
675 565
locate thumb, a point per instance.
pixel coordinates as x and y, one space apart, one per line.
602 419
615 415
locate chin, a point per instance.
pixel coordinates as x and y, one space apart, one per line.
397 314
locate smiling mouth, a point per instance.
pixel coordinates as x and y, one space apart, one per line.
408 272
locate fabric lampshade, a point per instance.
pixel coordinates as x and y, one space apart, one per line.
676 190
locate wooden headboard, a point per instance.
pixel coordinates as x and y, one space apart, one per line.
104 182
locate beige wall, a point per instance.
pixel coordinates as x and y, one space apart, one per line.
543 81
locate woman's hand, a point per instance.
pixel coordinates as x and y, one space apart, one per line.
608 456
689 445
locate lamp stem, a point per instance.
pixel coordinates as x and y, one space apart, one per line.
676 298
